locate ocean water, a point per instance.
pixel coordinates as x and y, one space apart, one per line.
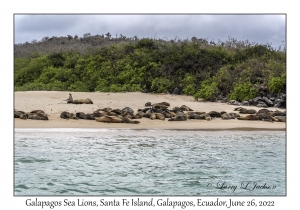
149 162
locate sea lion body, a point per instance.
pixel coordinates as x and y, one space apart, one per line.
128 120
247 111
78 101
205 116
18 113
279 118
178 118
185 108
214 114
109 119
159 116
249 117
226 116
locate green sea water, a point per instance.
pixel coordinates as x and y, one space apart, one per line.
149 162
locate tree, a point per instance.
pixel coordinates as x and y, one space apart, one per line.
108 35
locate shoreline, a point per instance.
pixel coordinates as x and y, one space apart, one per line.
52 102
136 129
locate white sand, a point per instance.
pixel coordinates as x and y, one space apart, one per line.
52 102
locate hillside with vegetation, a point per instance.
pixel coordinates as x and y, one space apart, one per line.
234 69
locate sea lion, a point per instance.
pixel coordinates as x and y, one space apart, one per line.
205 116
214 114
186 108
159 106
266 111
238 108
277 113
139 115
18 113
159 116
81 115
38 111
109 119
152 116
106 109
226 116
128 109
249 117
279 118
265 117
64 115
23 116
128 120
178 118
234 115
67 115
247 111
148 104
78 101
37 116
117 111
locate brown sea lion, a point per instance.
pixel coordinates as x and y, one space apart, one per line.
117 111
81 115
109 119
214 114
178 118
238 108
159 106
128 120
266 111
106 109
18 113
138 115
23 116
67 115
279 118
234 115
265 117
247 111
249 117
226 116
206 116
38 111
152 116
159 116
186 108
78 101
37 116
277 113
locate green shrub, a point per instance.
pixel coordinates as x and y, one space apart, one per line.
208 90
243 91
189 84
277 84
160 85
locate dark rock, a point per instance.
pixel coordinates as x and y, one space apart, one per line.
245 103
268 101
176 91
262 104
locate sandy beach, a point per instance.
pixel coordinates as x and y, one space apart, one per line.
52 102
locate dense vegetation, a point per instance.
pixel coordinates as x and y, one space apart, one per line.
232 69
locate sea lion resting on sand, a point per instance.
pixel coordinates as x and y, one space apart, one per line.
17 113
40 115
78 101
109 119
279 118
249 117
180 116
67 115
